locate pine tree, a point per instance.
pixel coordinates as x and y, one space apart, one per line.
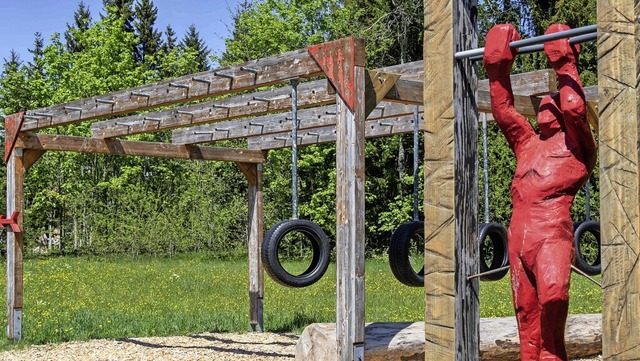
82 21
193 42
170 43
123 10
13 91
149 38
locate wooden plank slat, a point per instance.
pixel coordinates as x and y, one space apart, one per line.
252 104
250 75
65 143
276 123
374 128
539 82
450 184
619 137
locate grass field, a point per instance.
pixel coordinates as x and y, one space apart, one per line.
77 298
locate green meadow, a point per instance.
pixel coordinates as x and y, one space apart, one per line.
79 298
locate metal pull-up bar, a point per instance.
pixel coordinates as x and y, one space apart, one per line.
536 43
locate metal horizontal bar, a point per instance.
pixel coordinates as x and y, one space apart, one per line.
475 54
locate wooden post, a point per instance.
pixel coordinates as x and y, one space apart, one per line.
451 203
15 176
619 107
255 230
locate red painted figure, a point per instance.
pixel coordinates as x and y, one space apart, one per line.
551 168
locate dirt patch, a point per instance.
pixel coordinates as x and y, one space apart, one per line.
206 346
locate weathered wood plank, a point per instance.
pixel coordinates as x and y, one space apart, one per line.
15 182
208 84
374 128
65 143
251 104
450 200
313 93
255 232
619 107
539 82
350 170
276 124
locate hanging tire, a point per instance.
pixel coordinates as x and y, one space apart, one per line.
271 251
493 254
399 253
586 237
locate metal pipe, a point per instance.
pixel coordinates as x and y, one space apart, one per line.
485 166
585 33
294 148
486 273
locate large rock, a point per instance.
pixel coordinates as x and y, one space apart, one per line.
405 341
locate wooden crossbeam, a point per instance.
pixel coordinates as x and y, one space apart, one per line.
277 123
252 104
65 143
313 93
373 128
208 84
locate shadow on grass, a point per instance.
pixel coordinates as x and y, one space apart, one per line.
298 322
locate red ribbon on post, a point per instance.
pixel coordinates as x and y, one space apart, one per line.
11 222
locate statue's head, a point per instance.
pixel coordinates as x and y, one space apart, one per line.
549 116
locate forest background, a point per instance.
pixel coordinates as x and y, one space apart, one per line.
95 204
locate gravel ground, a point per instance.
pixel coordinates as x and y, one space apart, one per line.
206 346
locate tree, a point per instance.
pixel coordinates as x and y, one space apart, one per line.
170 41
148 36
82 22
193 41
123 9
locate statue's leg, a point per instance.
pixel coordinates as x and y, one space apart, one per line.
527 307
553 274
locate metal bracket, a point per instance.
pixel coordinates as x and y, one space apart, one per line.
11 222
12 125
338 60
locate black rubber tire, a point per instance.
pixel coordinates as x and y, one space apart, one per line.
321 253
399 254
593 227
498 236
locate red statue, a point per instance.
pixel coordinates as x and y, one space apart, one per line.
551 168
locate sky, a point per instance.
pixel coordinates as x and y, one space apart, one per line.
21 19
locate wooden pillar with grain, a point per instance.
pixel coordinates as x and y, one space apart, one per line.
255 231
450 183
619 108
18 163
343 62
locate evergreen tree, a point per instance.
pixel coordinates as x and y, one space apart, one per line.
192 41
149 37
82 21
13 90
124 10
171 40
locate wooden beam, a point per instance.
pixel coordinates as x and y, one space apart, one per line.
450 183
15 184
619 107
377 86
251 104
65 143
250 75
276 124
374 128
350 178
255 232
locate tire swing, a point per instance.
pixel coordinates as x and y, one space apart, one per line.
411 234
586 237
297 230
492 237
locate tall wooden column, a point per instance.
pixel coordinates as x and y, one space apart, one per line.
451 192
15 176
255 231
619 107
